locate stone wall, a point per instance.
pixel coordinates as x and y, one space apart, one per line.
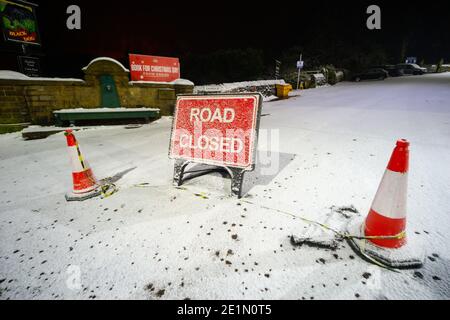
33 101
13 104
24 99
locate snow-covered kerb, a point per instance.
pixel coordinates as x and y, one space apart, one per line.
106 59
266 87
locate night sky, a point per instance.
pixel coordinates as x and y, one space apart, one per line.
116 28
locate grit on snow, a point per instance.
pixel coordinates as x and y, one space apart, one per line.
151 240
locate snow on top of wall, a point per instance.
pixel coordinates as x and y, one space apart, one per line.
8 74
224 87
183 82
106 59
83 110
13 75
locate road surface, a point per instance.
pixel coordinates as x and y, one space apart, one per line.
320 150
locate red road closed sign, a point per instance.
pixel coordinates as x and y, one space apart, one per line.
218 129
154 68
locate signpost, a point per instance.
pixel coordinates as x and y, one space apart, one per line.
299 67
219 130
153 68
277 69
29 66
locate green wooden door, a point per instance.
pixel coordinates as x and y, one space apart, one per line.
110 98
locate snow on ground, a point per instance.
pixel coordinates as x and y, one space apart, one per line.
154 241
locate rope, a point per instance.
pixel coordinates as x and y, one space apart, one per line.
105 187
343 235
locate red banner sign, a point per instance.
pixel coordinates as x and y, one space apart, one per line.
218 130
153 68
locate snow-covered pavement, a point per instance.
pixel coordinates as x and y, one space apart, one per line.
154 241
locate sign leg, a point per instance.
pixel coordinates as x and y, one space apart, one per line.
178 171
237 179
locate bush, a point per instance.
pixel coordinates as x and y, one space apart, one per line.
228 65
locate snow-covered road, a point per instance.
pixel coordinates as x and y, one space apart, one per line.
154 241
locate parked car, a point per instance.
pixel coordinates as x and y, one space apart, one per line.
392 70
373 73
411 68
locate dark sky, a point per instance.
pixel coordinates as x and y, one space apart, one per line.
178 28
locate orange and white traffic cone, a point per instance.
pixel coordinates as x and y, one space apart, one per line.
382 236
85 184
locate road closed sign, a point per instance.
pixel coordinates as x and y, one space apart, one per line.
216 129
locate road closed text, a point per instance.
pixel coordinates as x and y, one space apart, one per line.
218 130
204 142
207 115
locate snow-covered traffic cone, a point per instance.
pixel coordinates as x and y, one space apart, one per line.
85 184
382 236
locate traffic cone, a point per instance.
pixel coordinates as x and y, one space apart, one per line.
85 184
382 235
